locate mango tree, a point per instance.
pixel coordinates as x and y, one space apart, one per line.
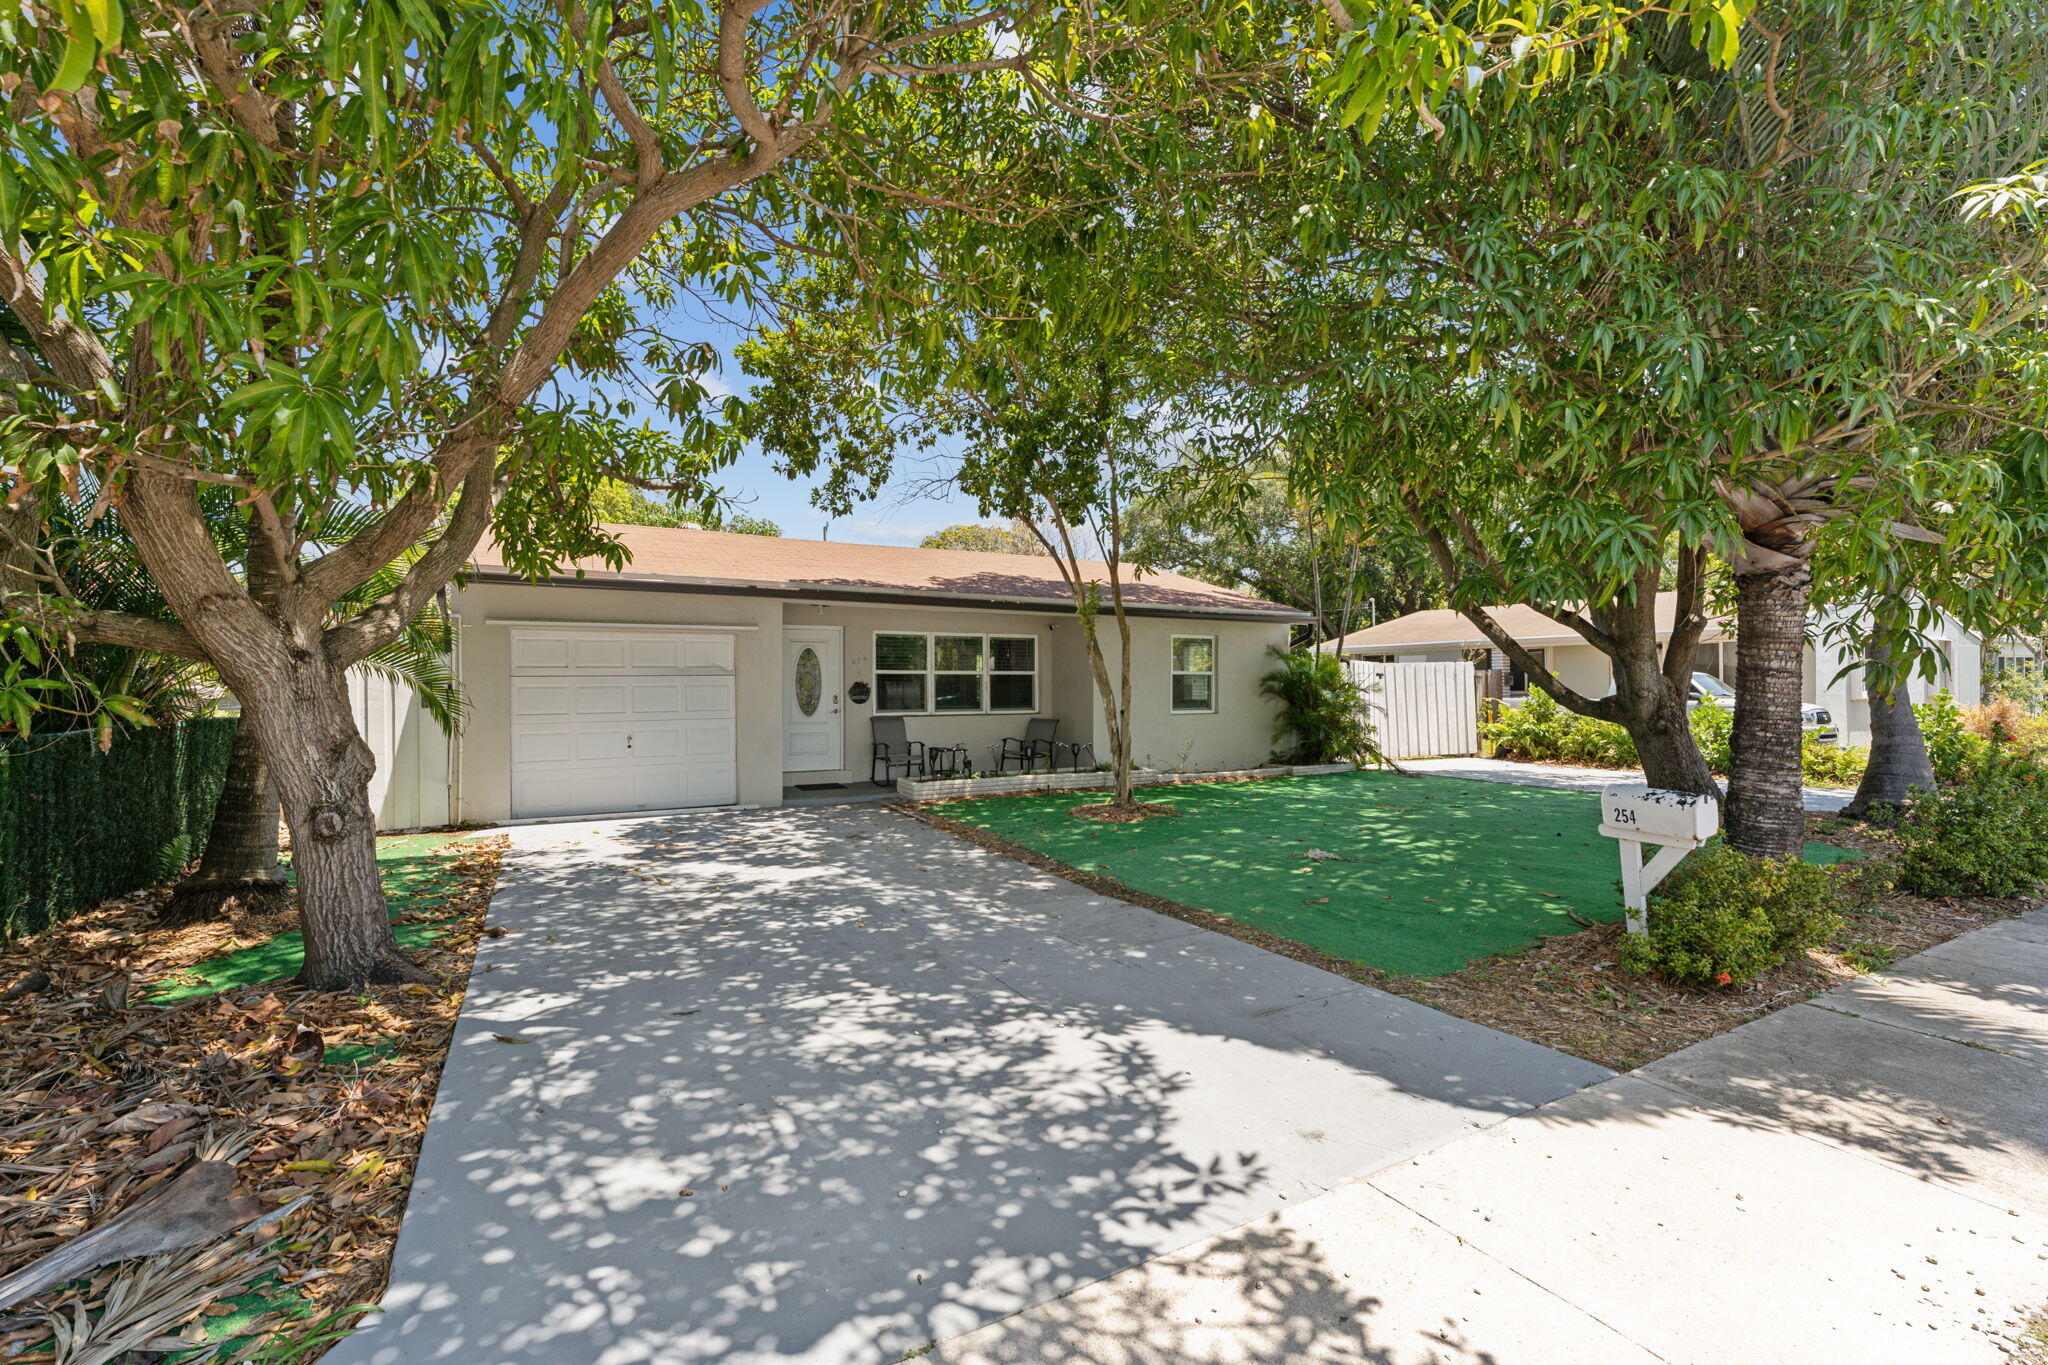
378 256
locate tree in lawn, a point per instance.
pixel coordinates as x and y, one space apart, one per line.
1888 600
1067 447
241 865
1687 309
237 236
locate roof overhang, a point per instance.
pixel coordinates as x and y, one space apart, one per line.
824 592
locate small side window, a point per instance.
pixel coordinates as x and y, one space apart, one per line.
1194 673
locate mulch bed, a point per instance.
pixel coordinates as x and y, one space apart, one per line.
134 1062
1110 813
1569 991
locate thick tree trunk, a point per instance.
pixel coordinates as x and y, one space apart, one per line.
240 863
1898 751
1655 714
321 768
1766 800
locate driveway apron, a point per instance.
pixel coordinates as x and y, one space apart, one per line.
829 1085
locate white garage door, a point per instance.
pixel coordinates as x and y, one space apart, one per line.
607 721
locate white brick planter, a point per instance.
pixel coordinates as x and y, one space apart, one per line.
953 788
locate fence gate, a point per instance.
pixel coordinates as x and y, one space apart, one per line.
1420 710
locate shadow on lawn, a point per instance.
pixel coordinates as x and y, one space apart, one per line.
829 1085
1429 874
416 876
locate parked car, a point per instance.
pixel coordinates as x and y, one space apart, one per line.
1708 690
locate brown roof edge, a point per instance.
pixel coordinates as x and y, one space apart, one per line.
1276 614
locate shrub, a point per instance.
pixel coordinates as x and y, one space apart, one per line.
1724 918
2000 720
1950 746
1985 835
1322 712
1541 730
1831 765
1713 729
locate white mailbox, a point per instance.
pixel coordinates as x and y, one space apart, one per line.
1677 822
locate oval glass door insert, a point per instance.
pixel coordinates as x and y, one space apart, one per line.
810 678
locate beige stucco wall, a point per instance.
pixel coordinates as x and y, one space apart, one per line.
484 777
1239 733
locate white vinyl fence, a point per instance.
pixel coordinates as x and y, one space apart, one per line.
1420 710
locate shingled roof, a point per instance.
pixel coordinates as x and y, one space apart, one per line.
1445 629
687 559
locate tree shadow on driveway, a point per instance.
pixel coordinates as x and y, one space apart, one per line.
829 1085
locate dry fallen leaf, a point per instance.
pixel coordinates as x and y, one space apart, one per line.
508 1038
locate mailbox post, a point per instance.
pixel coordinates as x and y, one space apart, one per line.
1676 822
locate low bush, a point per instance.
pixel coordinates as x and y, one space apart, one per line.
1724 918
1831 765
1986 834
1713 729
1542 731
1951 747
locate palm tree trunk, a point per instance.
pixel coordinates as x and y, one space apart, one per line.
1898 751
1766 796
240 865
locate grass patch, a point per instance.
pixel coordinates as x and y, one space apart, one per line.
416 882
1416 876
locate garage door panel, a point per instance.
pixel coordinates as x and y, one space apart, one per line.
599 700
707 653
656 654
658 697
540 699
539 653
531 747
708 696
705 740
657 743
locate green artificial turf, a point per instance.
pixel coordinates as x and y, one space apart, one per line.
1431 873
414 879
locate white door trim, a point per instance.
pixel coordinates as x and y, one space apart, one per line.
831 642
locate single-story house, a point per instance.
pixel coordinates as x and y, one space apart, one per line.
720 669
1437 636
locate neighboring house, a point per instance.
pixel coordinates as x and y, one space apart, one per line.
720 669
1436 636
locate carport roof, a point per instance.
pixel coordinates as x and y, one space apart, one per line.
689 560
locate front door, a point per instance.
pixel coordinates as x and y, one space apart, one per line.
811 724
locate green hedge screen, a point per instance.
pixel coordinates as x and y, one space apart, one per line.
78 825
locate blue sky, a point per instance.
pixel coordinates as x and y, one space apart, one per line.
907 511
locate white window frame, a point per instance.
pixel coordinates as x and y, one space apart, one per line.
932 671
1173 657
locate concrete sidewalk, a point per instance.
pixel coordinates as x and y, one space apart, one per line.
1557 775
1862 1179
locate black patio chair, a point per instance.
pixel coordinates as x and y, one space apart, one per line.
1037 743
893 748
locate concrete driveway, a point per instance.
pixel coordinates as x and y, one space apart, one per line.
828 1085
